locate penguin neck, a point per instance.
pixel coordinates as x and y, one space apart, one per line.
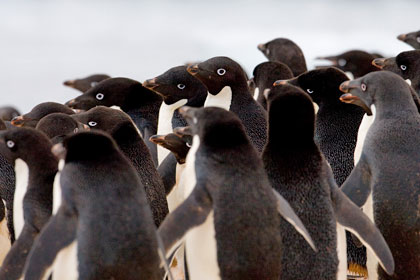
395 105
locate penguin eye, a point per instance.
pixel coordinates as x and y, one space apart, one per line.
10 144
363 87
188 145
76 130
342 62
418 39
92 84
310 91
403 67
92 123
100 96
181 86
221 71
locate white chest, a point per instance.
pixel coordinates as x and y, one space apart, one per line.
65 266
223 99
57 187
256 93
366 123
22 180
341 252
176 196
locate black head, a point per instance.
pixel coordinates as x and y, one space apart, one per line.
357 62
322 85
7 113
266 73
218 72
216 127
59 124
179 145
375 88
86 83
87 146
406 64
412 38
291 116
28 144
122 92
38 112
176 84
285 51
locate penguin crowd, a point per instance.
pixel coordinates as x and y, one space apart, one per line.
203 173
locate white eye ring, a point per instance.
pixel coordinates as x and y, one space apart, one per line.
180 86
403 67
92 123
92 84
310 91
10 144
267 52
363 87
221 71
100 96
342 62
418 39
76 130
188 145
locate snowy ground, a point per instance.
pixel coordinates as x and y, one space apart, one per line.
45 42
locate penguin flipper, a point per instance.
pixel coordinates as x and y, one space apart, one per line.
14 262
354 220
167 171
357 185
287 212
57 234
191 213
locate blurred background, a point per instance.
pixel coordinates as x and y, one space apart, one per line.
44 42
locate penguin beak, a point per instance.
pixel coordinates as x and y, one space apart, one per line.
59 151
262 47
18 121
402 37
157 139
346 87
280 82
250 82
193 69
150 84
183 131
379 62
333 59
70 103
352 99
69 83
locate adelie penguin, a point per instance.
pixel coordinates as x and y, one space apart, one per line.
35 167
285 51
405 64
412 38
84 84
7 113
104 227
229 219
58 125
357 62
265 74
298 171
386 179
38 112
119 125
227 88
177 88
140 103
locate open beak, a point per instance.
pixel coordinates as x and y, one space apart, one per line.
352 99
379 62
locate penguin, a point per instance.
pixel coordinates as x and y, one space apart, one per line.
297 169
35 167
265 74
285 51
84 84
386 178
412 39
177 88
104 227
7 113
58 125
405 64
227 88
122 129
228 219
357 62
38 112
140 103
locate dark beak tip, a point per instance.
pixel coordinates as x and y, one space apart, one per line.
402 37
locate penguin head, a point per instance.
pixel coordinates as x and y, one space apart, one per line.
178 143
215 126
405 64
58 125
412 38
86 83
175 84
120 92
218 72
372 88
38 112
28 144
291 115
322 85
7 113
2 125
266 73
